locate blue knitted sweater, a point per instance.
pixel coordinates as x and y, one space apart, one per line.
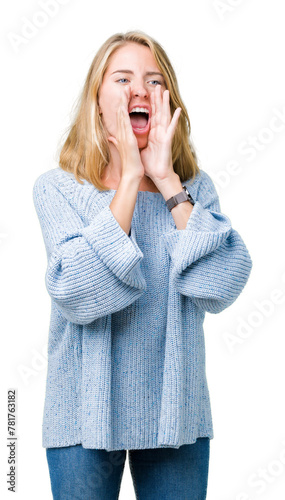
126 348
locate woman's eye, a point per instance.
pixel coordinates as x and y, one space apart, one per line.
155 82
122 80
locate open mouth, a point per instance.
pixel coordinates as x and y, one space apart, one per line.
139 120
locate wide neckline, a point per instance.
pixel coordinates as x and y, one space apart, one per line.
149 192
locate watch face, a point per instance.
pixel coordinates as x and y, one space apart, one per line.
188 194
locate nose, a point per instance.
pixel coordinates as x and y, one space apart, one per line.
139 90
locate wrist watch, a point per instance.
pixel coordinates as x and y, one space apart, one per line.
179 198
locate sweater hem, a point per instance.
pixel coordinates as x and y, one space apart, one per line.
146 446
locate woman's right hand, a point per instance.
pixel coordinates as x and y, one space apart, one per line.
126 141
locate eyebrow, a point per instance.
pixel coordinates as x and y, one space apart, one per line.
148 73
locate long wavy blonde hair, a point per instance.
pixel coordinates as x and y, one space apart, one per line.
86 150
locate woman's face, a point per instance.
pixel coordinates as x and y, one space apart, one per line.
133 70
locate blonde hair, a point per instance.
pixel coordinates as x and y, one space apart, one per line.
86 150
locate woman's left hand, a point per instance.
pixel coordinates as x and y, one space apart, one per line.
157 156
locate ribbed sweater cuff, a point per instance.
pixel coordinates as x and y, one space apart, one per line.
113 246
204 232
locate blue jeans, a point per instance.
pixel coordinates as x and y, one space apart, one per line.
78 473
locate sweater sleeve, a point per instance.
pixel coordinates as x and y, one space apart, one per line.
210 262
93 270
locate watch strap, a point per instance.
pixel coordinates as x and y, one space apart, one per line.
179 198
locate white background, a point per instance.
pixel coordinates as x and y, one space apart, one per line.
229 59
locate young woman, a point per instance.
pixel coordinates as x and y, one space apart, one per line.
138 251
